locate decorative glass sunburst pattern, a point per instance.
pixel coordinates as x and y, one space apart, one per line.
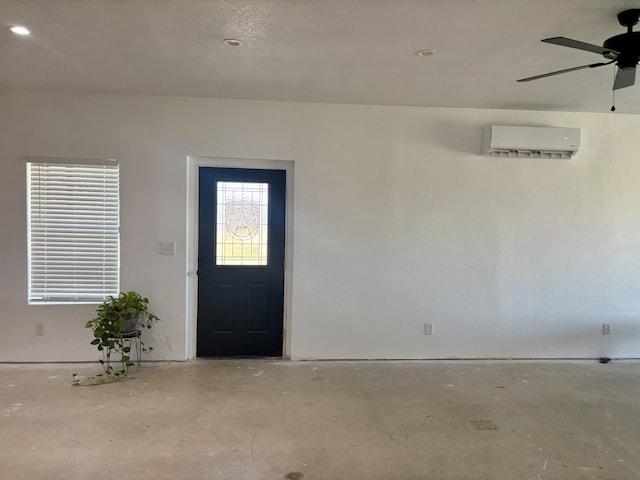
242 223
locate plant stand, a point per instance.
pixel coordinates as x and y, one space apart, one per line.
135 339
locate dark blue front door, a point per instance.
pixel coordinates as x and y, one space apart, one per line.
241 244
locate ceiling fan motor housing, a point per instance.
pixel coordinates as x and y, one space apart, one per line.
628 44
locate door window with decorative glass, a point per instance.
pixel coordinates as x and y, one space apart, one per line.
242 223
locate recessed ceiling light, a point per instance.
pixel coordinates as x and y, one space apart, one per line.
19 30
427 52
232 42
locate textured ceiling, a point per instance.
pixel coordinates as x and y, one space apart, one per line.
338 51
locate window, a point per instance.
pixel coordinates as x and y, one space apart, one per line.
73 221
242 223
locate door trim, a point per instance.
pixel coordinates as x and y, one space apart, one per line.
193 165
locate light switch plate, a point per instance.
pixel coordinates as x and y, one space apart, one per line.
167 248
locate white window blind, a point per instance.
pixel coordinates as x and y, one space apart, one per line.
73 230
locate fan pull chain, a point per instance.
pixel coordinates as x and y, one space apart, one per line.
613 92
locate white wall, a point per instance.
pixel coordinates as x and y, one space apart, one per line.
398 221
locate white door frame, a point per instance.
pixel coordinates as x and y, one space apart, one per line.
194 162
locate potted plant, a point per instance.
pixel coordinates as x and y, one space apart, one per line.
118 321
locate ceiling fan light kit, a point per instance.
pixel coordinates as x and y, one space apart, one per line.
623 50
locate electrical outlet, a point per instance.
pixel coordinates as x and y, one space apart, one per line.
428 328
606 329
39 329
167 248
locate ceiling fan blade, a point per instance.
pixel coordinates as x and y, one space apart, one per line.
589 47
625 77
566 70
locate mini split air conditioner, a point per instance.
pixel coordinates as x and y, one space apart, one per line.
530 142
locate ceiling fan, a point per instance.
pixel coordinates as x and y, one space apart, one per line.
623 50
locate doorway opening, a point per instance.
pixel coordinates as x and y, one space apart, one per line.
239 269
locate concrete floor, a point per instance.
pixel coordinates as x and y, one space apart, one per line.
265 419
